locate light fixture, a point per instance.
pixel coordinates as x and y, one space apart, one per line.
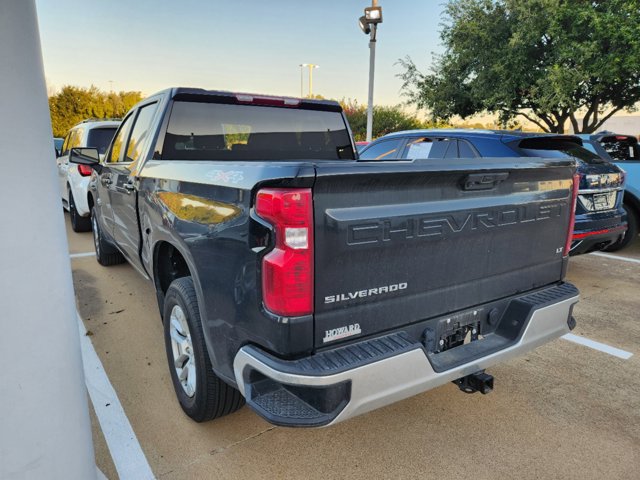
373 14
364 25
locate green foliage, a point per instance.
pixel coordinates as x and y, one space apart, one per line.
545 60
385 120
74 104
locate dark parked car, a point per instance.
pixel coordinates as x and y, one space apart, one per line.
624 151
600 218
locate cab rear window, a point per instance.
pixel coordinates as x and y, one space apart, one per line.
211 131
100 138
621 147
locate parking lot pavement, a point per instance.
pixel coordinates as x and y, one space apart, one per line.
563 411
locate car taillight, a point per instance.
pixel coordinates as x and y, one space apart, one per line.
572 217
287 271
84 170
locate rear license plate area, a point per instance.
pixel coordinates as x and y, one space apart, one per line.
601 201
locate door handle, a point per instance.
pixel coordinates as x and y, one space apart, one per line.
129 186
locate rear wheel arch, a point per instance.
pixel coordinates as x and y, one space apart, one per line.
169 264
630 200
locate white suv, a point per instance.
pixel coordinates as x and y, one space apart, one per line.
74 179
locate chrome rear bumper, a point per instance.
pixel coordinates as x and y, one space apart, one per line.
376 383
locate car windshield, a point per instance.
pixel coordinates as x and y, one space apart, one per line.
212 131
621 147
556 148
100 138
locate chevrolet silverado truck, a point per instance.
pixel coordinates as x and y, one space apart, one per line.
315 286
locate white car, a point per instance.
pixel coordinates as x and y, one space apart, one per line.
74 179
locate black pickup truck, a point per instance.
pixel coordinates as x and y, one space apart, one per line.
317 286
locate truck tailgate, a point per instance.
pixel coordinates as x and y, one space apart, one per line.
403 241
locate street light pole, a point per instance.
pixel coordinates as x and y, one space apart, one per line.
369 25
372 66
302 65
311 66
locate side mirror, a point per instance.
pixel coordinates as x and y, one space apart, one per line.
86 156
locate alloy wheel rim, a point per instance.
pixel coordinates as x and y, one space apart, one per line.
182 348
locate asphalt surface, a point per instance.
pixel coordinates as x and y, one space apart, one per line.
563 411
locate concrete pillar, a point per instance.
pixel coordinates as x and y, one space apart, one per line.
45 432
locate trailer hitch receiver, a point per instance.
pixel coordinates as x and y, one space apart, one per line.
476 382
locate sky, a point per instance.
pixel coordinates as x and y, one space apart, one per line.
238 45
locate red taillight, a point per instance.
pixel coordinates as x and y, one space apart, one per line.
572 217
287 271
84 170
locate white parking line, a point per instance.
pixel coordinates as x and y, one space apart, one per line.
79 255
127 455
615 257
616 352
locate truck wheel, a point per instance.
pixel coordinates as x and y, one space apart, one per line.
78 223
202 395
632 231
106 253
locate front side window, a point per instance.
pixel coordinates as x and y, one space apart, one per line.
213 131
119 139
385 150
75 138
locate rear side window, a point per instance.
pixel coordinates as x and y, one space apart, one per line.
385 150
466 151
211 131
424 147
418 148
444 148
100 138
621 147
556 148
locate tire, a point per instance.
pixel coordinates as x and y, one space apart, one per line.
630 235
106 253
78 223
202 395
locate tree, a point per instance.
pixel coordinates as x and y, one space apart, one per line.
549 61
74 104
386 119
